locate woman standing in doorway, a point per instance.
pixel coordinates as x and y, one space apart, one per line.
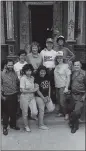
34 58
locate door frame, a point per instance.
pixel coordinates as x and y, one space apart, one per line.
29 4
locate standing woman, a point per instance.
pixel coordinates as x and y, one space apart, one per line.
27 98
34 58
62 81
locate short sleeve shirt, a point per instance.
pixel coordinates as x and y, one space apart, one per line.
43 85
27 83
48 58
34 60
60 75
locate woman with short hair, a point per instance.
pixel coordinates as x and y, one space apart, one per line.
34 58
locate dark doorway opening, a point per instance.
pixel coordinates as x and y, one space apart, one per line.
41 22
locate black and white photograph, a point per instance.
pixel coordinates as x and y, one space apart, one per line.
43 75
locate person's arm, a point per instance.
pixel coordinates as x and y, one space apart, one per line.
3 97
27 58
70 55
68 73
68 82
41 54
2 91
41 63
49 90
84 80
15 67
41 95
23 88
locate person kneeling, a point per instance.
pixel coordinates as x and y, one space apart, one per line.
42 95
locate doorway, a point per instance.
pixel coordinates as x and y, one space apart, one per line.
41 23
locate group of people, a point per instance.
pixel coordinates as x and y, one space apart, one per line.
42 81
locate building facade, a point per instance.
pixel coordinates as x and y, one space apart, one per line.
24 21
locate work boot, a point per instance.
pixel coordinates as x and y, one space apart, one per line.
5 131
75 128
75 123
15 127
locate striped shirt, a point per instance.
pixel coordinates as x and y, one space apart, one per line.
9 83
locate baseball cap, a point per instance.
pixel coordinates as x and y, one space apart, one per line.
49 40
60 53
60 37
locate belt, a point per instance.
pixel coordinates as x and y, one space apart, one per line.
77 93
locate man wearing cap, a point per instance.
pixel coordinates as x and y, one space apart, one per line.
67 54
48 57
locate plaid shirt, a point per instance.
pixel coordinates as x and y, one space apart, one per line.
9 83
79 82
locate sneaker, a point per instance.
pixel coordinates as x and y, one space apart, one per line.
59 115
27 129
66 117
5 131
43 127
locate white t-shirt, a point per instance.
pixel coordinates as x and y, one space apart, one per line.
48 58
18 67
60 75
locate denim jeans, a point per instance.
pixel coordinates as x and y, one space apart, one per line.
26 102
41 107
60 99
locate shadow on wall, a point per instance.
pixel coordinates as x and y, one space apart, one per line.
4 52
80 53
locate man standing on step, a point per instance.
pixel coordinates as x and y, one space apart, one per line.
10 89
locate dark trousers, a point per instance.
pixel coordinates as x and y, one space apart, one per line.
69 103
75 115
52 84
61 99
2 105
10 105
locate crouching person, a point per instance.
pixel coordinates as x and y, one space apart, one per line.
27 98
42 95
78 88
10 88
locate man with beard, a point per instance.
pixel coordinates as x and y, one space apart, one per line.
10 88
